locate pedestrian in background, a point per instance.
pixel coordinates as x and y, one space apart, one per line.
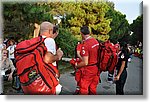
121 76
7 67
11 50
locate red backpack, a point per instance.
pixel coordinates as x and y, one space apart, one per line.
36 76
107 56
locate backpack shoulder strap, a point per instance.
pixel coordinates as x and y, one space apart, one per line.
98 55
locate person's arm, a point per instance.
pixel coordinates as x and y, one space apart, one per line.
50 58
11 53
120 71
83 63
78 49
12 69
78 54
13 50
84 56
52 55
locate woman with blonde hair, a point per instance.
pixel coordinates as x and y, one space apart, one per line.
7 67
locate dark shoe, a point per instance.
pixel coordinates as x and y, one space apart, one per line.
76 92
73 73
99 80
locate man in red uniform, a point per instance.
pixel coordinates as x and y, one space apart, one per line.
77 54
78 72
78 50
89 77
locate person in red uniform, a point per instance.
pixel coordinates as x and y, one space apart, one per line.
89 77
78 72
77 55
78 50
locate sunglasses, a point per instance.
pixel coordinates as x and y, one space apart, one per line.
5 53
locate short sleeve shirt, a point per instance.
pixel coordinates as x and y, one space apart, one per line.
123 56
11 49
51 46
90 49
79 46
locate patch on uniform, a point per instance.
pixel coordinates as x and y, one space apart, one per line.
83 52
122 56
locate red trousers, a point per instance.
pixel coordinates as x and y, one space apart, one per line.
89 85
78 75
89 81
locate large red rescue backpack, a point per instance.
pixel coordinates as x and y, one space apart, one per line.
36 76
107 57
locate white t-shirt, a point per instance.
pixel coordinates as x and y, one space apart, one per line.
11 49
51 46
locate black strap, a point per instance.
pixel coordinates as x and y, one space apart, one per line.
110 59
99 55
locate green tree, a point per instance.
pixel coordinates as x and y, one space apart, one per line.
19 18
137 28
67 42
87 13
119 24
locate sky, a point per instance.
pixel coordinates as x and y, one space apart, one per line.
131 8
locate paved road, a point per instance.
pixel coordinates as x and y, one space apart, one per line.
133 86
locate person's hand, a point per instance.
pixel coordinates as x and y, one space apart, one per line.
59 53
117 78
4 59
72 62
10 77
11 53
76 65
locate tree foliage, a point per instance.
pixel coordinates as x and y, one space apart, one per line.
105 22
137 28
119 25
67 42
87 13
19 18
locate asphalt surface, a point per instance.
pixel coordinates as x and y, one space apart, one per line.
133 86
